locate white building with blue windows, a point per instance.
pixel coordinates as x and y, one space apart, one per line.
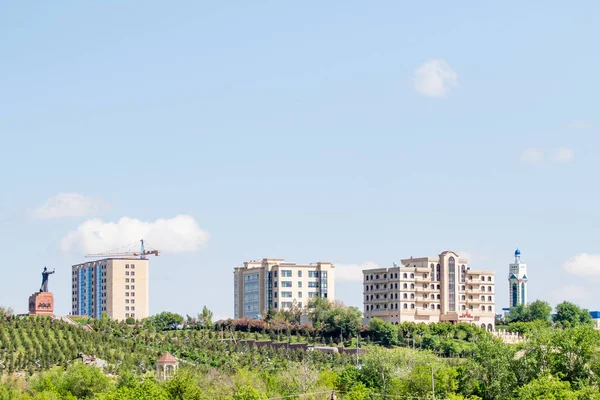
273 283
517 281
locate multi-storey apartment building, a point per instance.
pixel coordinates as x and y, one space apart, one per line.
116 286
430 289
274 283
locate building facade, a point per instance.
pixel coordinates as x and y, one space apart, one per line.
517 281
430 289
116 286
274 283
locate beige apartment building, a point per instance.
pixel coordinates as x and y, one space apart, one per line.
274 283
117 286
430 289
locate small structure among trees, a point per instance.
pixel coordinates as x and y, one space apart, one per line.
166 366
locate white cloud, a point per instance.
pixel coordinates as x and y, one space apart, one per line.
435 78
574 293
532 156
352 272
585 265
579 124
563 155
65 205
175 235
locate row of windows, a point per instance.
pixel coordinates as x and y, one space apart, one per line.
127 266
127 294
289 294
127 273
127 315
312 284
287 304
127 287
127 308
425 307
287 273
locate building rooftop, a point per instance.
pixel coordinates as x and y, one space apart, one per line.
167 358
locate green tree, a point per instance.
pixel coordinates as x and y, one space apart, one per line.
205 319
383 332
165 321
492 368
569 314
547 388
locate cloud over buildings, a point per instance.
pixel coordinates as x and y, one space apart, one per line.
174 235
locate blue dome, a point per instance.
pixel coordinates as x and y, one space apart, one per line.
517 252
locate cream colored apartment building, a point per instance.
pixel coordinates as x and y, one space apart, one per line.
275 283
116 286
430 289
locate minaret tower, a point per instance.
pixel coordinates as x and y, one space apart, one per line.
517 281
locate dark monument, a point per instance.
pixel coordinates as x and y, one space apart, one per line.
45 274
42 302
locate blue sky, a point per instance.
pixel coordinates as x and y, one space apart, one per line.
349 132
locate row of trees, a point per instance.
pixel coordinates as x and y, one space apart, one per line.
567 314
552 364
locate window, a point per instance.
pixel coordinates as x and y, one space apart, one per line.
300 294
275 284
275 305
412 306
412 285
300 304
366 277
483 279
489 298
489 288
451 284
432 286
286 283
405 305
286 273
127 273
405 286
463 297
384 276
127 315
127 280
132 301
286 304
132 272
463 307
412 295
489 308
275 276
132 266
489 278
126 308
312 294
300 274
132 308
482 298
438 306
412 276
316 284
462 287
132 287
133 280
463 273
313 274
300 284
405 276
127 294
127 266
275 294
133 315
132 294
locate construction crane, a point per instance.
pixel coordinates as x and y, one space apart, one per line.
142 253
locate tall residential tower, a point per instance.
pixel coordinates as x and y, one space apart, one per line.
116 286
274 283
517 281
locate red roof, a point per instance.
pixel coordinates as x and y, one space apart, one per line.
167 358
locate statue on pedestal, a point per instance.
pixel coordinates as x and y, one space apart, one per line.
45 274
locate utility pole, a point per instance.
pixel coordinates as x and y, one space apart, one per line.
357 337
432 383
